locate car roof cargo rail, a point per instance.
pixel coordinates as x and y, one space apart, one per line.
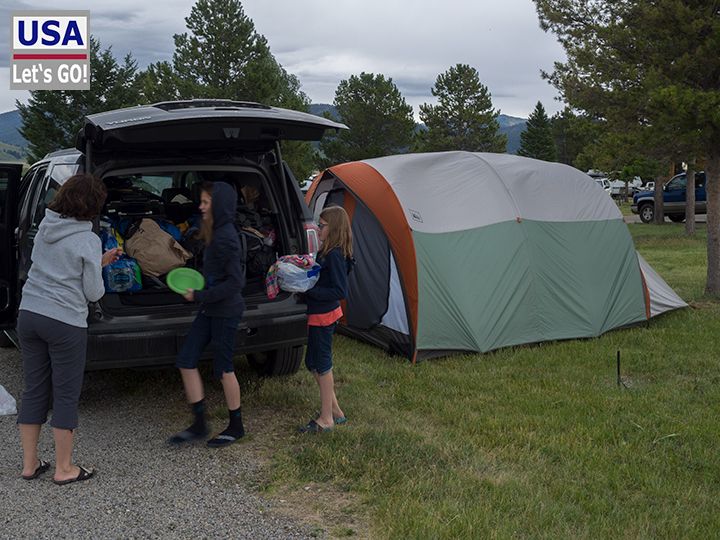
215 103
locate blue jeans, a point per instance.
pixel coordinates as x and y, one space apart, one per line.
318 355
220 333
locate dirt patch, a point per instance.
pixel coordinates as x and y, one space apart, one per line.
325 507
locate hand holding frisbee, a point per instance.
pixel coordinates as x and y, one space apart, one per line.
182 279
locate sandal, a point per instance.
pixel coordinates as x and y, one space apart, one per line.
41 468
84 474
186 436
222 440
337 419
313 427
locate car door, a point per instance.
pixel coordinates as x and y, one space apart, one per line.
9 189
674 196
32 186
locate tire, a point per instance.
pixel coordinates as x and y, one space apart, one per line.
647 212
278 362
677 218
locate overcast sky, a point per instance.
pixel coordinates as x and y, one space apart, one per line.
323 42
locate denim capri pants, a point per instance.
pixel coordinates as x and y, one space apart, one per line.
318 355
220 333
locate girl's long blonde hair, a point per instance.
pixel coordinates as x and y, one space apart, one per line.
339 233
206 226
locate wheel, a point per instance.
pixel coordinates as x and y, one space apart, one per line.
278 362
647 213
677 218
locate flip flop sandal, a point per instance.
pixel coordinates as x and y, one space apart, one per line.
313 427
221 440
41 468
338 419
84 474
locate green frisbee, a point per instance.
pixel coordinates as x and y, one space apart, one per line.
182 279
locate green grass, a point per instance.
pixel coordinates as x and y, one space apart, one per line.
9 152
624 207
529 442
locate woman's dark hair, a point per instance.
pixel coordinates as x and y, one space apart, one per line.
82 197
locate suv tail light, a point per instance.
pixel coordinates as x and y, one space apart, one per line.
313 240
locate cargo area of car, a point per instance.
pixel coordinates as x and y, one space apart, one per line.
163 203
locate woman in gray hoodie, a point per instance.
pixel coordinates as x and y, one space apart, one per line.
65 275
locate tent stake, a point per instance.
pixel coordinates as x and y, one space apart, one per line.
619 380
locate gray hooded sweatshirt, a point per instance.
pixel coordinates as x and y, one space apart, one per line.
66 273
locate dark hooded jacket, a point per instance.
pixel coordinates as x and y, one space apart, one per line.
223 261
332 286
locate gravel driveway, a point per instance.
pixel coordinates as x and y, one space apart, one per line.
143 489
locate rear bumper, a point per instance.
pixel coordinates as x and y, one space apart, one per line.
157 343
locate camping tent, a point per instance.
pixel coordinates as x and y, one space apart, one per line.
460 251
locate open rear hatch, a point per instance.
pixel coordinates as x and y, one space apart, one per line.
196 125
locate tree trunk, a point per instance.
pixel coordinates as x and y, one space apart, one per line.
712 187
659 207
690 199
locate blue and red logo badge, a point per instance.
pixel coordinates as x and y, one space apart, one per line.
50 50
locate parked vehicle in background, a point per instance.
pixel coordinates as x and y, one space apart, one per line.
603 183
600 179
618 187
674 195
153 160
650 186
305 184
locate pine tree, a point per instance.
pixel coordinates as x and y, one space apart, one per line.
649 69
537 139
52 118
463 119
222 56
380 121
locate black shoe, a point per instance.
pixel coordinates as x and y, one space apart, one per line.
187 436
227 437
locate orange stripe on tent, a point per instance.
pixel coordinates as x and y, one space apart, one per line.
374 191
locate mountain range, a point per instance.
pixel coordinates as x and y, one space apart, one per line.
510 125
13 145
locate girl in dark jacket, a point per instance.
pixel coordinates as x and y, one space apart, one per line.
323 301
221 308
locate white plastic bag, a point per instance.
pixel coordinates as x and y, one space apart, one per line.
292 278
7 403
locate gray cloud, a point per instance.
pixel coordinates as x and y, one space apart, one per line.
323 42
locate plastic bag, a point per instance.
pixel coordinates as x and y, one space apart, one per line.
292 278
123 275
7 403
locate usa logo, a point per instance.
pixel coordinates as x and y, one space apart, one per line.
50 50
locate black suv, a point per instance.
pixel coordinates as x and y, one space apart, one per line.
153 160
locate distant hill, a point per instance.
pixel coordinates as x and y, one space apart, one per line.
10 122
9 152
510 125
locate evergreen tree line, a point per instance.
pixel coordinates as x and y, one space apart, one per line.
221 55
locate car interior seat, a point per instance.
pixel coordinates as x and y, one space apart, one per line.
179 204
